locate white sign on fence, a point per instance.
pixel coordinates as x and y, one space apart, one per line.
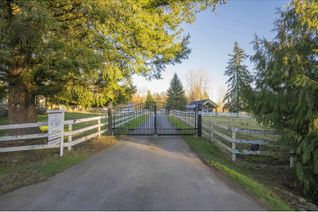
56 128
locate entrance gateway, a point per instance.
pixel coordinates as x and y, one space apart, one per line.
155 119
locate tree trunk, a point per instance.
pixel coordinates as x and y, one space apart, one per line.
21 108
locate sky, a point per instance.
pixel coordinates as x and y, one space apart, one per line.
212 38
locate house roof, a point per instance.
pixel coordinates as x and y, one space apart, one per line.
203 102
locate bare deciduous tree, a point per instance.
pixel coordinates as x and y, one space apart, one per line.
198 82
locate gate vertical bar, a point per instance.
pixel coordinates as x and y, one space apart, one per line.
199 120
155 117
110 118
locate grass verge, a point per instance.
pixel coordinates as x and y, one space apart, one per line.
135 123
19 169
214 157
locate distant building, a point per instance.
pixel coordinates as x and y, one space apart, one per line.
207 105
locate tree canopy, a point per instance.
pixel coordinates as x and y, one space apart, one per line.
85 52
149 102
286 86
239 79
176 98
198 85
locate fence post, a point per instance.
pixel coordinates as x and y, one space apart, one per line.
155 117
233 145
69 138
199 120
98 121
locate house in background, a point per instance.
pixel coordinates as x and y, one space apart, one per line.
207 105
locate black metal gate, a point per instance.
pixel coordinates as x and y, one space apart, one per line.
153 119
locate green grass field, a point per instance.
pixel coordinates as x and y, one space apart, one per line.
177 123
255 182
236 122
277 147
135 123
256 179
18 169
68 116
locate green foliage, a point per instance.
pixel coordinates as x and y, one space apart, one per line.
85 52
239 78
149 102
176 95
286 86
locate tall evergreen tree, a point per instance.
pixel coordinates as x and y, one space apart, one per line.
149 100
176 95
239 78
286 86
67 50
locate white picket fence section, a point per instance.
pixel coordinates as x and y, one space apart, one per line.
73 134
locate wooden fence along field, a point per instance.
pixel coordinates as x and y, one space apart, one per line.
227 114
74 132
237 141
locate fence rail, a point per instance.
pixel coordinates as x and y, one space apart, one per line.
227 114
216 133
76 132
227 137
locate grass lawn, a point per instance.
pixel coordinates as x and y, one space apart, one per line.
245 123
277 147
68 116
177 123
135 123
19 169
259 175
243 175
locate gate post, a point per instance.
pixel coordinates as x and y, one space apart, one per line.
199 120
110 118
155 117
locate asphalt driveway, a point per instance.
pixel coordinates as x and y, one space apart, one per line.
138 173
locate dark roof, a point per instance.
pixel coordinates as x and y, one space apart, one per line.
202 101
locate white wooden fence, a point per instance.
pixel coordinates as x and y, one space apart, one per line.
76 132
228 141
227 114
69 134
217 134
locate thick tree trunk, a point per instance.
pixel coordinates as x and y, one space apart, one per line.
21 108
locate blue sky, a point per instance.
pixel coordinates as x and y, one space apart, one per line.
212 39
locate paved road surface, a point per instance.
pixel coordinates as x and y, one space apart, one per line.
138 173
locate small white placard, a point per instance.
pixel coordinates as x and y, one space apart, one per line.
56 127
